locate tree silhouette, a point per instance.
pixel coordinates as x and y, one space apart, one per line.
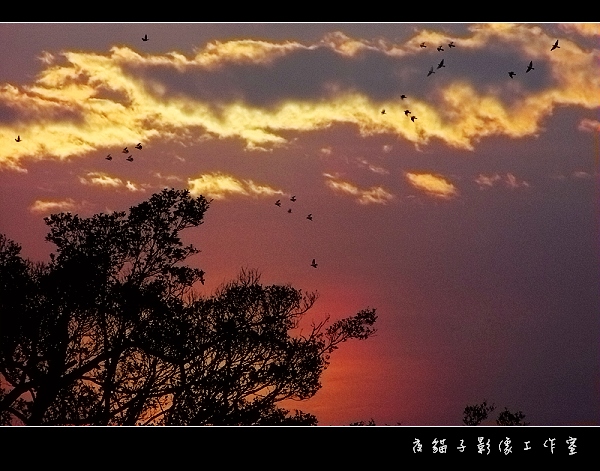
509 418
475 414
111 331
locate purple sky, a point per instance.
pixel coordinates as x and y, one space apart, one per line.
473 230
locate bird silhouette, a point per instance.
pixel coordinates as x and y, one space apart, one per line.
293 198
530 66
145 38
555 46
451 44
129 159
422 45
412 118
440 48
512 74
403 96
18 139
290 210
430 71
382 111
108 157
278 203
441 64
126 150
138 146
406 112
309 217
314 263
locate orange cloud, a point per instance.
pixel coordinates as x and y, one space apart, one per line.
375 194
91 101
104 180
585 29
53 206
433 185
219 185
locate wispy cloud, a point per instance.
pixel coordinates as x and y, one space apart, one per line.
433 185
585 29
509 180
580 174
373 168
104 180
53 206
219 186
589 125
372 195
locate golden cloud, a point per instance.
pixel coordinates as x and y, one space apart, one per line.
375 194
585 29
91 101
219 185
433 185
104 180
218 53
53 206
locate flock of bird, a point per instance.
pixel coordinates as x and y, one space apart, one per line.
309 217
126 151
441 64
406 112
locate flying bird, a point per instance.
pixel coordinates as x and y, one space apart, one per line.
290 210
451 44
512 74
382 111
530 66
108 157
138 146
314 263
441 64
278 203
422 45
555 46
430 71
406 112
293 198
126 150
145 38
129 159
412 118
309 217
403 96
18 139
440 48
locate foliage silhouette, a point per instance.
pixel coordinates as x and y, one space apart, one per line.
509 418
111 332
475 414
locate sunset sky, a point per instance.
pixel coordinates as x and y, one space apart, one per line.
473 230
